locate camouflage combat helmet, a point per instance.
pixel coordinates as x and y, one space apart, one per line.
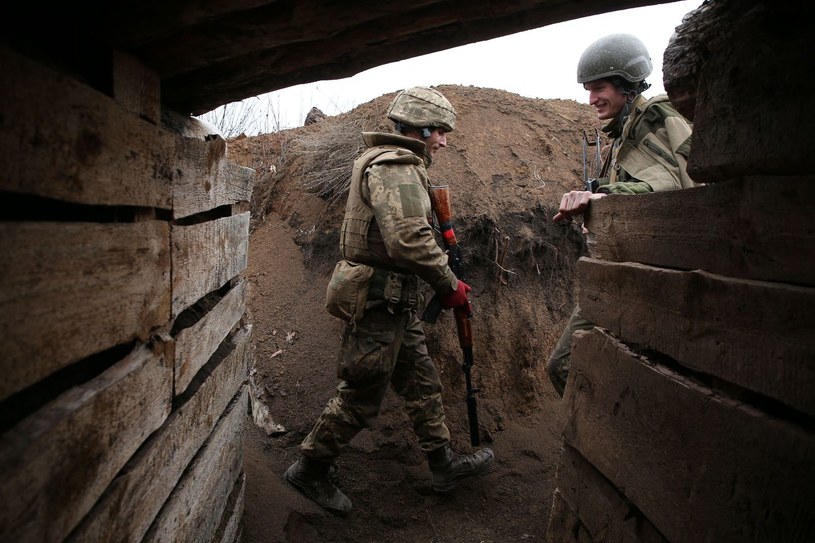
621 55
422 107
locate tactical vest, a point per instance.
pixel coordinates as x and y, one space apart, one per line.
654 146
358 242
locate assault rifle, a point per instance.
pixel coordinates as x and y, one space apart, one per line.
440 200
591 183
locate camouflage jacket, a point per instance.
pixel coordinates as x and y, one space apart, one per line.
386 223
650 154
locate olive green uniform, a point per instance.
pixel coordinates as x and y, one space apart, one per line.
649 154
387 244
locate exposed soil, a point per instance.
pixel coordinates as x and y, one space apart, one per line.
507 164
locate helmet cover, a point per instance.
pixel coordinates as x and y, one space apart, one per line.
422 107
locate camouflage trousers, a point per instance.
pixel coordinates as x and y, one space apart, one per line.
383 348
559 362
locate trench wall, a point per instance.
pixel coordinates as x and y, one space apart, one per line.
125 349
689 408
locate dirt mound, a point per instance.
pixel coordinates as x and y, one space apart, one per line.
507 164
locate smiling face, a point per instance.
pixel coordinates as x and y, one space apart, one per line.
437 140
605 98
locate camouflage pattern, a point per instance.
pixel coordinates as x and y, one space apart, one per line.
559 363
423 107
386 217
386 227
655 146
649 154
386 348
621 55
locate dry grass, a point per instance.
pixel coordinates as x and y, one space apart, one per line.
328 155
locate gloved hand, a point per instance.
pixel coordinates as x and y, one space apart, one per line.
458 297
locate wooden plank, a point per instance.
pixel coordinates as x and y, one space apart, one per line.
56 463
206 256
229 529
194 345
340 47
135 497
299 22
194 509
83 147
602 511
682 60
699 465
209 180
755 334
729 228
724 35
136 87
58 305
564 524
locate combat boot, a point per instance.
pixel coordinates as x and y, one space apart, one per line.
311 478
449 470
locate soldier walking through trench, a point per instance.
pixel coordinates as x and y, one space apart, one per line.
387 245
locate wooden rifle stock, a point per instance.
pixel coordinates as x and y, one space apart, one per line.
440 200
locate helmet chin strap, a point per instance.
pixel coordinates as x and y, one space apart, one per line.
629 99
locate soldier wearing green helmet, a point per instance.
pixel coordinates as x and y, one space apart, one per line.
387 245
648 151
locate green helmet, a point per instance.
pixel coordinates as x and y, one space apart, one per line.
422 107
622 55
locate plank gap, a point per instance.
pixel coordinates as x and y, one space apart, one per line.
756 400
205 216
190 316
16 207
18 406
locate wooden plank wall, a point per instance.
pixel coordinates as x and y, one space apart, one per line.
124 234
689 408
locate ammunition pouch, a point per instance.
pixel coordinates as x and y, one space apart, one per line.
398 291
347 291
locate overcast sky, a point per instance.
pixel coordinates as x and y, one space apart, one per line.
540 63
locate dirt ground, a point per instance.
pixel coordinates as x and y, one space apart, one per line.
507 164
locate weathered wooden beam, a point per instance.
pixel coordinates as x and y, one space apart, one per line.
755 334
564 524
206 256
207 179
195 345
343 50
700 466
128 507
726 48
71 290
136 87
194 509
751 228
56 463
83 147
229 529
684 56
587 504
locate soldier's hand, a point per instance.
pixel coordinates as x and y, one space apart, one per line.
575 203
458 297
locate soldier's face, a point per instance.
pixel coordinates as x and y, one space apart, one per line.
605 98
437 140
